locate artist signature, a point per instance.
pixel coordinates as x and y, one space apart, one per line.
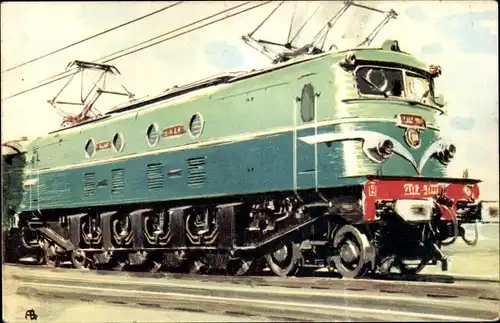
31 315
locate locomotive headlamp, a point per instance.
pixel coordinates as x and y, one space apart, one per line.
414 210
451 150
435 70
447 154
350 58
385 148
349 61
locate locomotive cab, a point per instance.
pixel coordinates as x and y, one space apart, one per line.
390 137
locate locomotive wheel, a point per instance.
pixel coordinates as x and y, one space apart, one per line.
284 261
51 258
80 260
39 258
350 261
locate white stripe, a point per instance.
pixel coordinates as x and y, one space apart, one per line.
371 138
30 182
315 145
238 138
295 111
431 150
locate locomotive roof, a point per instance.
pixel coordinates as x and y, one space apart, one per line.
231 77
228 77
224 78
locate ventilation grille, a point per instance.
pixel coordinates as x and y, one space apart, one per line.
117 181
155 176
89 184
197 173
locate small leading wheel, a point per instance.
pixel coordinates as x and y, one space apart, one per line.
284 261
80 260
38 256
350 261
52 259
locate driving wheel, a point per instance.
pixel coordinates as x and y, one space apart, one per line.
51 258
284 261
80 260
350 261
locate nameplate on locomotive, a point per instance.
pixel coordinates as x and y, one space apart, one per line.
103 145
173 131
410 120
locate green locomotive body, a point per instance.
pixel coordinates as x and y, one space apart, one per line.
321 159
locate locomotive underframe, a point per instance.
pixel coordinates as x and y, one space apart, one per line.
286 230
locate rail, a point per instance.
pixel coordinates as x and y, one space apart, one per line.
289 298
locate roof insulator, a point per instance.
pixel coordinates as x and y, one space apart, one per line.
392 45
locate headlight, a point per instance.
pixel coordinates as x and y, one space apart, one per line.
385 148
414 210
379 151
446 154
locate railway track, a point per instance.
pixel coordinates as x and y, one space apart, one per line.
309 299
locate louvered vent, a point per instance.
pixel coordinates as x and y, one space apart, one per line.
89 184
117 181
197 173
155 176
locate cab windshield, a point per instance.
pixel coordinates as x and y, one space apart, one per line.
394 82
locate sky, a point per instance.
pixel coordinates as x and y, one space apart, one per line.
461 36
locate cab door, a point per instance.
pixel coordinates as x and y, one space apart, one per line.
305 161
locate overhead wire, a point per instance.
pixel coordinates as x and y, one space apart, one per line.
93 36
305 23
185 32
172 31
291 23
151 39
264 21
150 45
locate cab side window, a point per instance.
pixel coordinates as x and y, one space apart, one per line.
307 103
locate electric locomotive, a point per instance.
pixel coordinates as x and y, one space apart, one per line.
327 159
332 160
